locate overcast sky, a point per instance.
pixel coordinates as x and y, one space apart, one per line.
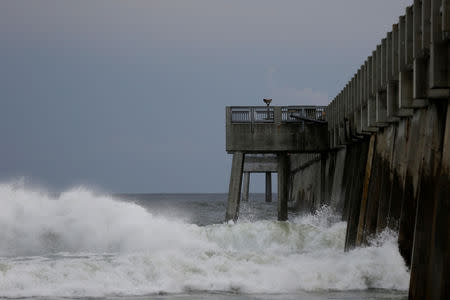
130 96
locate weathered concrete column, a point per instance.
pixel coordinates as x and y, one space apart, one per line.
439 267
283 190
268 187
234 191
426 274
365 192
415 146
245 192
353 186
323 186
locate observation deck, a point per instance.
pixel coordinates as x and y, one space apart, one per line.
279 130
274 129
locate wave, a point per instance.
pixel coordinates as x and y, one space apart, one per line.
84 244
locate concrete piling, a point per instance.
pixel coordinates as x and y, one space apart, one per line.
395 175
246 186
283 188
323 178
414 149
365 192
439 267
370 224
234 190
420 286
268 187
386 155
353 193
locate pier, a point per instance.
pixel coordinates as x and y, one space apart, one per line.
261 138
379 153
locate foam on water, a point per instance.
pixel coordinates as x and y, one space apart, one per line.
83 244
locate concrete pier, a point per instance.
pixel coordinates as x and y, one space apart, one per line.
384 162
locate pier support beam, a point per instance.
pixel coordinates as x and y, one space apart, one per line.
246 187
234 191
283 188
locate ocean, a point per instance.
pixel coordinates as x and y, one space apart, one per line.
84 244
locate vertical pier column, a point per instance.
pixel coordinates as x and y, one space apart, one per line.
283 192
268 187
323 186
245 192
234 191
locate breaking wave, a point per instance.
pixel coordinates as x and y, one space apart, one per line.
84 244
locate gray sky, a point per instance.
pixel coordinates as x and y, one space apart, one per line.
130 96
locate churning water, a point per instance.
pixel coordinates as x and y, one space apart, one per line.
82 244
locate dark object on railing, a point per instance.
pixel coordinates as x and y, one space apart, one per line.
299 117
303 113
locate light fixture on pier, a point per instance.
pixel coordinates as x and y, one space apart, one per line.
267 101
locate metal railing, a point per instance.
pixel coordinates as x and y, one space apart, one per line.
252 114
264 114
302 113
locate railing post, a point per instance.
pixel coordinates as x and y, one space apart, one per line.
277 118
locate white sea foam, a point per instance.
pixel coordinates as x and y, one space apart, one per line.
83 244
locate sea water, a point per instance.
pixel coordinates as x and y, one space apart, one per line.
82 244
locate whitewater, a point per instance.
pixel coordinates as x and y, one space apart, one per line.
86 244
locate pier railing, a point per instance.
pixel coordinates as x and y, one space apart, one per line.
408 68
252 114
264 114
